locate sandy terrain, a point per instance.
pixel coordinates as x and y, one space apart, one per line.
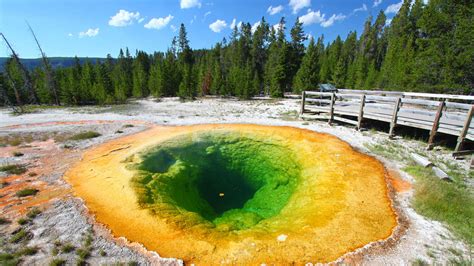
64 217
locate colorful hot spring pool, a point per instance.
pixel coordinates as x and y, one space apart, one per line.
237 194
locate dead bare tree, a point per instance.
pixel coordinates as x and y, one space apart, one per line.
47 68
28 84
18 108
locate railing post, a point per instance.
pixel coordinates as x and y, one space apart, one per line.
396 108
303 98
361 112
331 109
464 130
435 127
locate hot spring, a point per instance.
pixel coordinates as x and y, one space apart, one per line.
212 194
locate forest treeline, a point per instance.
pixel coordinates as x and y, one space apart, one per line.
426 48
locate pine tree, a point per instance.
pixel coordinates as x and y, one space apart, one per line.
140 70
307 77
275 72
296 50
187 87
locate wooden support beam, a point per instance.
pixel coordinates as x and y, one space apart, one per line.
331 109
462 153
361 111
435 127
464 130
303 98
393 123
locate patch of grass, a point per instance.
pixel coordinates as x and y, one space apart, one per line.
132 263
443 201
23 221
455 252
57 262
85 135
32 174
419 262
19 236
83 253
67 248
102 253
118 132
4 220
26 192
305 123
17 154
33 212
27 251
7 259
128 125
54 251
13 169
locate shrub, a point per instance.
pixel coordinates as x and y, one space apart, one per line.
27 251
57 262
8 259
85 135
13 169
33 212
19 236
67 248
23 221
26 192
128 125
4 221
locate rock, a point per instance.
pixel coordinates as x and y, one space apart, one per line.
281 238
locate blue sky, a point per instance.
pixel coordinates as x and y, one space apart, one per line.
95 28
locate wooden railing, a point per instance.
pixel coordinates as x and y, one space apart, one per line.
448 114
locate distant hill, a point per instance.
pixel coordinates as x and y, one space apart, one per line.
56 62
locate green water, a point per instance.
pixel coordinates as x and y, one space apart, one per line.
226 179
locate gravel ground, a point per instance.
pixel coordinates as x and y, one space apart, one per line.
64 218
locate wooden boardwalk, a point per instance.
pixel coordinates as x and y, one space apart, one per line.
448 114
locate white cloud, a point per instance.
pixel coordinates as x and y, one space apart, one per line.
69 34
218 25
141 20
207 14
234 23
316 17
158 23
255 26
312 17
89 33
190 4
360 9
332 19
277 26
296 5
274 10
394 8
173 28
123 18
377 3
